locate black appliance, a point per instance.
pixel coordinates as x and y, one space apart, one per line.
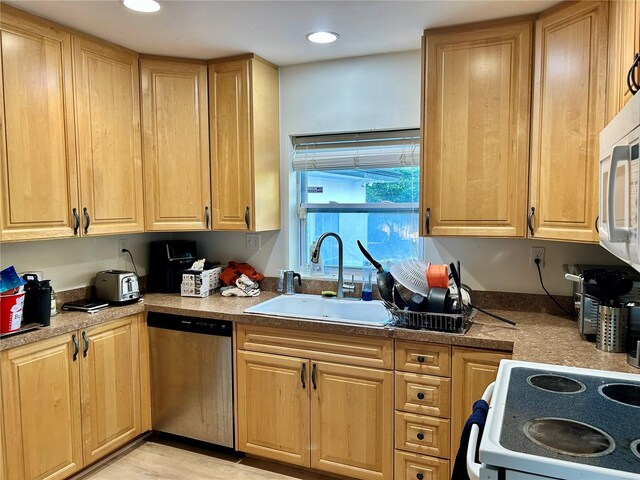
37 300
168 259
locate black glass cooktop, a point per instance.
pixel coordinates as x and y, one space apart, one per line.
576 418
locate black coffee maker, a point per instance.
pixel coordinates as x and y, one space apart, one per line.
37 300
167 260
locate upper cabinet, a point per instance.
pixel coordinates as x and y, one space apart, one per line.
108 137
568 114
245 144
475 129
624 43
37 147
175 126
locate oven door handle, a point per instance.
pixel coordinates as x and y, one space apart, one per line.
473 468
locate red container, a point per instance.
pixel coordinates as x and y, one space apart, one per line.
11 312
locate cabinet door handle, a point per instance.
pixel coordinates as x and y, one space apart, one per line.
420 396
303 375
313 376
87 220
76 347
420 436
86 344
206 217
247 218
530 220
76 221
427 220
596 225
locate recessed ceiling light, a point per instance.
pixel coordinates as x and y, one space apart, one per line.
146 6
322 37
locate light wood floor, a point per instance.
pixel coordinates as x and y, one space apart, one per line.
156 459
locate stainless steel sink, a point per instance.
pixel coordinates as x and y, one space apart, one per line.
315 307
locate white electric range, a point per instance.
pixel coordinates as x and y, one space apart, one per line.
565 423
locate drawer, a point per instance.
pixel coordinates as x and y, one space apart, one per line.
425 435
347 349
423 394
411 466
424 358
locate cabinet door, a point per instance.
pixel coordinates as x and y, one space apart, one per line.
352 421
473 371
37 150
476 131
624 38
175 126
231 156
41 408
109 153
110 387
568 114
273 406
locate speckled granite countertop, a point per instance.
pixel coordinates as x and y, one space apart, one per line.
538 337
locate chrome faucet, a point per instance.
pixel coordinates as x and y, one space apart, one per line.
349 287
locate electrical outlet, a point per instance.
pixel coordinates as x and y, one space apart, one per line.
253 241
122 256
536 253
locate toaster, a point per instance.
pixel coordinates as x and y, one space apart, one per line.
117 286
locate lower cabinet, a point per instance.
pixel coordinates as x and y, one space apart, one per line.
332 417
473 370
410 466
71 399
110 386
42 415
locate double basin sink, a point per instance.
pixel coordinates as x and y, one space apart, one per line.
315 307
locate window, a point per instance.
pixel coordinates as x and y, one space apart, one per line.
363 186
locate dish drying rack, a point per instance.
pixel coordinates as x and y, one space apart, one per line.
457 323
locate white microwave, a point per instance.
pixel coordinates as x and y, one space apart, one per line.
619 180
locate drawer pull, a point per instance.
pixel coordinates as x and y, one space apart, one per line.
420 436
420 396
421 359
420 476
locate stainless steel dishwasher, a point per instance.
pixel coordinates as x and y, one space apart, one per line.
192 377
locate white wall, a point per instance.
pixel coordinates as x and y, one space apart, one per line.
373 92
73 262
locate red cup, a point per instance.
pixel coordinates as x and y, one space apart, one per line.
437 276
11 312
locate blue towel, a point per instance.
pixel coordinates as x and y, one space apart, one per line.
478 417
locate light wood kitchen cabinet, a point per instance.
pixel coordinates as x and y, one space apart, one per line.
411 466
473 370
475 129
41 408
568 114
352 421
339 417
624 43
245 144
110 385
175 140
106 85
273 406
37 147
71 399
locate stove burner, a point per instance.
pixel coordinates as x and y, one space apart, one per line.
556 383
624 393
569 437
635 447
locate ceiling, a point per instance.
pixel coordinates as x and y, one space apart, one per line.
274 30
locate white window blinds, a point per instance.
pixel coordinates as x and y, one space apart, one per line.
365 150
